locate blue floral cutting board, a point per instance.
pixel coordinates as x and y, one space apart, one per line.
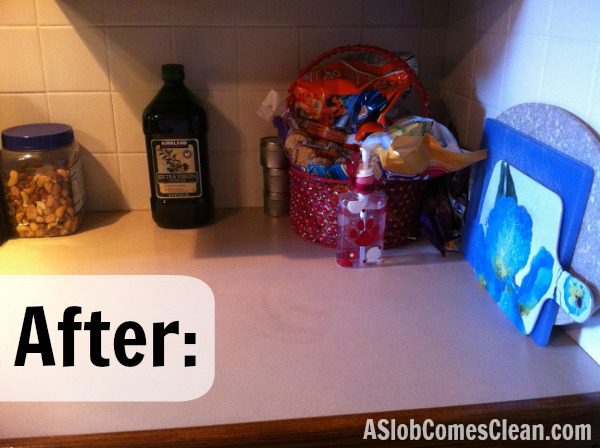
526 206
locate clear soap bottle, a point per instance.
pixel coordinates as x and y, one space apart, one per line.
361 219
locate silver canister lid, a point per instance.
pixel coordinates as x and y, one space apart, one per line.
272 154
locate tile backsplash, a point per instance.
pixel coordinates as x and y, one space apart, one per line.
95 64
505 52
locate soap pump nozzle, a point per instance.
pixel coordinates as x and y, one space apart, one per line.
365 179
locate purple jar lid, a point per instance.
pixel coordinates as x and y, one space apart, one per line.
37 136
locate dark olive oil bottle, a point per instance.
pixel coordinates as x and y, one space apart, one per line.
175 127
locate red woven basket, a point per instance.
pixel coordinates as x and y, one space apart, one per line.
314 200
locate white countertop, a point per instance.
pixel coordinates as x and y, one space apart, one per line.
298 336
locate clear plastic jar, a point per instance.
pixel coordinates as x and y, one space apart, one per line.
43 180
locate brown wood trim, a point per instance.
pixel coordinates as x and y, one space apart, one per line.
344 430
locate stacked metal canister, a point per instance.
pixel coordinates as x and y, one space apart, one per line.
276 178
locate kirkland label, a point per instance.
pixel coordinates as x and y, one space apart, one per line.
177 168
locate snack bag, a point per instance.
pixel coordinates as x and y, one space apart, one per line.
345 90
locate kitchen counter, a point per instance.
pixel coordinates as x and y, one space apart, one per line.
297 336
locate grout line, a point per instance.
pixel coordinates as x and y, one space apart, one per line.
471 79
299 48
111 95
444 62
511 20
550 17
595 87
237 75
500 103
44 75
538 93
24 92
545 61
76 92
363 26
19 27
69 92
171 35
104 9
171 15
354 25
239 88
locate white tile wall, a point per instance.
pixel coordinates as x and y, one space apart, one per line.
127 109
137 12
268 12
435 13
17 12
104 190
317 13
21 46
494 16
222 107
74 59
531 17
523 51
528 56
274 68
460 60
16 109
463 14
76 108
204 12
488 69
393 12
394 38
135 55
594 111
314 41
134 188
96 64
571 64
212 54
578 19
69 12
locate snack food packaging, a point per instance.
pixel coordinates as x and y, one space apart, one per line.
43 180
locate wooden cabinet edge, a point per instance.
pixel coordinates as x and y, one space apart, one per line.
343 430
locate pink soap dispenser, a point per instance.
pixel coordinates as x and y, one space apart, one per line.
361 219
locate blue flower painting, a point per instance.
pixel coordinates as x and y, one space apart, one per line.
509 237
502 252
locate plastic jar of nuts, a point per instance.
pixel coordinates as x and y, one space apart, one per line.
43 180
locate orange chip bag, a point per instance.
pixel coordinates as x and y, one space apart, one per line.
349 87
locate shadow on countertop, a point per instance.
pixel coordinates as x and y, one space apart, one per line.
251 232
101 219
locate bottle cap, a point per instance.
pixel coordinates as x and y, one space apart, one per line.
365 169
38 136
270 144
173 72
365 179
